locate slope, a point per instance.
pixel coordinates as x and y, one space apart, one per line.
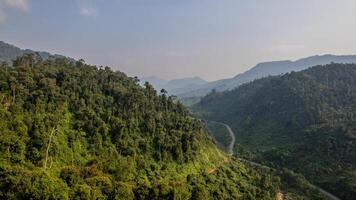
75 131
302 120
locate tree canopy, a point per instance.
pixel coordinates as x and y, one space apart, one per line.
69 130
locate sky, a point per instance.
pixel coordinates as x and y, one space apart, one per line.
213 39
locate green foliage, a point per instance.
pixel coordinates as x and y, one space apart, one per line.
301 120
297 187
69 130
237 180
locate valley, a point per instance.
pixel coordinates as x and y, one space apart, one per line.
177 100
200 159
158 149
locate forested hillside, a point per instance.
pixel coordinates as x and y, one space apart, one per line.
304 121
69 130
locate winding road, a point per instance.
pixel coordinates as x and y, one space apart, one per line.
231 148
233 140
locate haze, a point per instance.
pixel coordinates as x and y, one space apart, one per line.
181 38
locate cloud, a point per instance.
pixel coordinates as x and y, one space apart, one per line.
88 12
22 5
87 8
18 4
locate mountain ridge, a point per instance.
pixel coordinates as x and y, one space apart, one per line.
265 69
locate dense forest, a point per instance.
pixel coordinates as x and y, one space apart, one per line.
304 121
69 130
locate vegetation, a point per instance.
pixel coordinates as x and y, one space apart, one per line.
69 130
296 187
304 121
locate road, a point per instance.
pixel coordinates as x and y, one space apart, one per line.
233 139
328 194
230 151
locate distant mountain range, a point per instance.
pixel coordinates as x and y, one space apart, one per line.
9 52
199 88
175 86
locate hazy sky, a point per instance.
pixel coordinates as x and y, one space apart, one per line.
212 39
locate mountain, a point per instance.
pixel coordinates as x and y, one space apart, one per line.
75 131
9 52
263 70
175 86
156 82
303 121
